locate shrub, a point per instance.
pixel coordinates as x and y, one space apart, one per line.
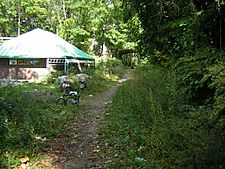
190 72
50 78
111 68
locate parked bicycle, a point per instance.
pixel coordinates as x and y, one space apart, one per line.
71 95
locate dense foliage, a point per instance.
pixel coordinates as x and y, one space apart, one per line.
178 28
186 37
89 25
149 125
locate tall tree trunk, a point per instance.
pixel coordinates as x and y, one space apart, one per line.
192 6
102 43
18 25
221 48
64 9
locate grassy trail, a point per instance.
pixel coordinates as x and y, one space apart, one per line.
78 146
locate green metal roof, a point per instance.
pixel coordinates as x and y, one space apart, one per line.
40 44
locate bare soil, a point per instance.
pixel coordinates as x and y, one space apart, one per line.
82 150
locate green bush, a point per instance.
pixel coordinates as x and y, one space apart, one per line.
50 78
190 72
110 68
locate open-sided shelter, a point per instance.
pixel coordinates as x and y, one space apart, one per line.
36 53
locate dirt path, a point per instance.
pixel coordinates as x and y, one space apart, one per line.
82 150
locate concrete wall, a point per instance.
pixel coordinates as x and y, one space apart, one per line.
23 69
32 69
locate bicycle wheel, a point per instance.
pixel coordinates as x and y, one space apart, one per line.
72 101
61 101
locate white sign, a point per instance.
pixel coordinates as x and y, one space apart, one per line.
12 62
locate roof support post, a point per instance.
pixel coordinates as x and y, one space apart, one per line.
66 65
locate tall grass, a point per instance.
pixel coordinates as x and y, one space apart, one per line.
25 115
148 125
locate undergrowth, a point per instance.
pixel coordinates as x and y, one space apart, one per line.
29 115
105 73
149 125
